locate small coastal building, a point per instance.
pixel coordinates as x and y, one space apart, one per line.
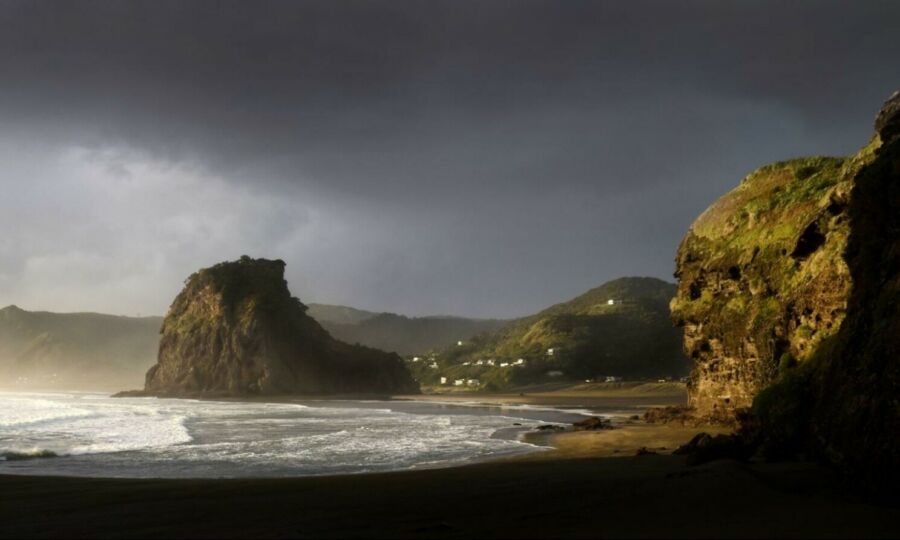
459 343
610 302
550 351
433 365
443 380
504 364
555 373
479 363
459 382
467 363
612 378
519 362
490 362
473 382
416 359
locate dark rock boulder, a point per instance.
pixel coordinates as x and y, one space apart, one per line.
592 423
670 414
704 448
236 330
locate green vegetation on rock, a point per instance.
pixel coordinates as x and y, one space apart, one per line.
817 352
761 274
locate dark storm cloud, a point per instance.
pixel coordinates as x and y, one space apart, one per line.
480 157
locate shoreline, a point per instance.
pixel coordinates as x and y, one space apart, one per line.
515 408
589 484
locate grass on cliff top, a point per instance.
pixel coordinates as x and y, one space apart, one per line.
772 204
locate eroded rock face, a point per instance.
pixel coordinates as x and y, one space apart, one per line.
804 259
762 280
235 330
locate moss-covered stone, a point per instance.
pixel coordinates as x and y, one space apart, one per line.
760 274
824 303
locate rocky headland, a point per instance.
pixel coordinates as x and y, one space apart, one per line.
235 330
788 293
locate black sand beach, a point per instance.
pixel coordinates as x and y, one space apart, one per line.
592 485
642 496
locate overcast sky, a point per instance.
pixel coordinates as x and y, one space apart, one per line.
479 158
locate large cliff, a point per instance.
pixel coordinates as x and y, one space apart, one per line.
789 294
844 405
235 329
761 279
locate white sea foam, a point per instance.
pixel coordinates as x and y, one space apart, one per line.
22 412
68 425
130 437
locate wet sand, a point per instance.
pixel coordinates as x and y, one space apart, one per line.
591 485
599 396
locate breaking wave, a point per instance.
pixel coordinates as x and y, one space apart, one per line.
93 435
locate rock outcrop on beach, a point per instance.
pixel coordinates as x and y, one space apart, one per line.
236 330
74 351
789 288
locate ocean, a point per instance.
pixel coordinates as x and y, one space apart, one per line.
92 434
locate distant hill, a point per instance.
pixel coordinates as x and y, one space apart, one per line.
398 333
326 313
87 351
620 329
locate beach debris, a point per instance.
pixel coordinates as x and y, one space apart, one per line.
549 427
